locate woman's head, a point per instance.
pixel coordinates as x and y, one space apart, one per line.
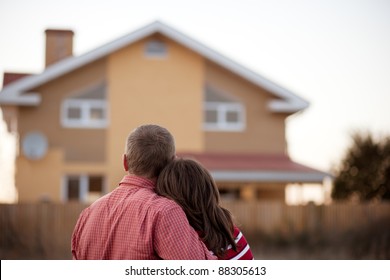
188 183
191 185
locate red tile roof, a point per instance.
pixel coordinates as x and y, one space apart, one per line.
248 162
11 77
265 168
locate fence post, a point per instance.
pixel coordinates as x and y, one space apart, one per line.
314 220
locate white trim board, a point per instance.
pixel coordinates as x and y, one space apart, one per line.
269 176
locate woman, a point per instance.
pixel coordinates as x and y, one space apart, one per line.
190 184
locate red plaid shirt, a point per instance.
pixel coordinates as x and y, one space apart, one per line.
133 222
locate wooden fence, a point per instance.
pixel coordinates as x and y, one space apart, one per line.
37 231
43 231
271 218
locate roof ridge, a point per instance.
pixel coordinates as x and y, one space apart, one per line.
288 102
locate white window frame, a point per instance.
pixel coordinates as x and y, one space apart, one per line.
83 190
85 106
222 108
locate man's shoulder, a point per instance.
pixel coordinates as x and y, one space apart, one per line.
150 199
139 198
163 203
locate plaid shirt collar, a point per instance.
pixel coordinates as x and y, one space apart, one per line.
132 180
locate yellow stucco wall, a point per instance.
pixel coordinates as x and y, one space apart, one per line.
67 146
39 179
163 90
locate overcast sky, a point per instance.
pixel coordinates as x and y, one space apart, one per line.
333 53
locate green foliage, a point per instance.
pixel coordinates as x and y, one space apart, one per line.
365 170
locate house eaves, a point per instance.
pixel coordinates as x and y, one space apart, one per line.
17 92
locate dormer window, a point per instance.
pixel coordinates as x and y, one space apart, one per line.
86 110
222 112
156 48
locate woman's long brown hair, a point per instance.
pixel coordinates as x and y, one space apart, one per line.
190 184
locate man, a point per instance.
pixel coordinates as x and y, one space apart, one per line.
133 222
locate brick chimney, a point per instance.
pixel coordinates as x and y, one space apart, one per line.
59 45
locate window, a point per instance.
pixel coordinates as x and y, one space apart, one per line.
83 188
86 110
156 48
84 113
222 113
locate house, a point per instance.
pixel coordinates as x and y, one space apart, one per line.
73 118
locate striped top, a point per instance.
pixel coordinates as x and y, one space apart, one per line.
243 250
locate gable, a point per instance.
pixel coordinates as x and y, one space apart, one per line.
168 87
263 131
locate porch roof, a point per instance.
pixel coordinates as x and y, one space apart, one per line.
244 167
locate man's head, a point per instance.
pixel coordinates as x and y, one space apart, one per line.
149 148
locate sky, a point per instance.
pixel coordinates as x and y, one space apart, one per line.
333 53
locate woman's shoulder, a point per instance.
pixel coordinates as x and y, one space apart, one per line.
239 237
236 231
243 249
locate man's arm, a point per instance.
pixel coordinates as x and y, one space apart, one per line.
75 239
76 234
175 239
